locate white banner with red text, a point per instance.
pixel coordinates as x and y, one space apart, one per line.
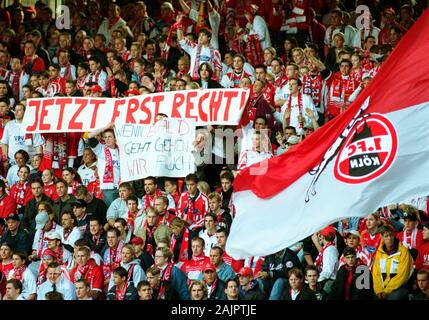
83 114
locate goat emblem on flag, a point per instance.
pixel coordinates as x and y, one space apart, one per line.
368 151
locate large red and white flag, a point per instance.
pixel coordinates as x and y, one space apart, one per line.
376 153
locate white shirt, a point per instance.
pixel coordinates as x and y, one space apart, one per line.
75 235
209 241
86 173
14 137
37 241
63 286
307 102
259 27
349 35
118 209
29 283
186 45
330 264
101 156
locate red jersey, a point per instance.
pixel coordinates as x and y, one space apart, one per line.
236 265
7 206
422 261
411 240
21 193
193 209
194 267
91 272
51 191
5 268
370 243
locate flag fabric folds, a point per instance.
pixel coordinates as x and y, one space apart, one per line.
375 153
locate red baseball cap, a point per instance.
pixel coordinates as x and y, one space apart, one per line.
209 266
96 88
328 231
137 240
245 272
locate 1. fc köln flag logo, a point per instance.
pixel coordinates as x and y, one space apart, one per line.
374 154
368 150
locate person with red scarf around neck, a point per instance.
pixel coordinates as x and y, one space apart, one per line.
112 254
341 86
345 286
193 204
258 105
422 260
135 215
222 237
6 254
370 238
268 90
23 274
172 282
72 178
21 191
193 268
152 231
180 244
16 78
87 268
97 74
388 20
411 237
232 79
48 256
296 290
171 186
31 63
112 22
353 239
223 215
7 202
122 289
327 260
161 207
67 70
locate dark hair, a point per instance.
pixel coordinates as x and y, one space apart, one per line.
16 284
290 128
21 254
94 58
217 248
72 215
84 281
24 154
233 280
151 178
143 283
227 175
346 61
387 228
224 230
192 177
133 198
311 268
54 295
61 181
2 186
348 251
261 66
115 230
37 180
121 272
297 272
206 32
208 67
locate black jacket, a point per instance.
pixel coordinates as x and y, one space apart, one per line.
97 208
305 294
21 242
279 266
212 84
101 244
146 260
60 207
339 286
130 294
255 293
219 292
30 212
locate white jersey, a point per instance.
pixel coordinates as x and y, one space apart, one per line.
209 240
29 283
15 137
87 173
307 102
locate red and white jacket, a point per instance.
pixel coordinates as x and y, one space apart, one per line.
91 272
200 208
315 87
340 89
236 265
194 268
370 243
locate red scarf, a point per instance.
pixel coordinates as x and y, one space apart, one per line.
312 85
183 253
17 272
253 50
180 74
81 82
150 200
55 154
130 219
108 170
67 73
165 278
319 259
94 188
195 74
120 294
149 235
289 107
213 287
15 83
19 194
113 21
349 280
93 77
75 184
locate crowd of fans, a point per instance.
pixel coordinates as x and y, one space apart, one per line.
69 229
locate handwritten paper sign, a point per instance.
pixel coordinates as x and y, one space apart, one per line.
161 149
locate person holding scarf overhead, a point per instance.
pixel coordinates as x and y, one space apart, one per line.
108 162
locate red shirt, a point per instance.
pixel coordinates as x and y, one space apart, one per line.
370 243
422 261
200 208
413 239
195 265
51 191
93 273
7 206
